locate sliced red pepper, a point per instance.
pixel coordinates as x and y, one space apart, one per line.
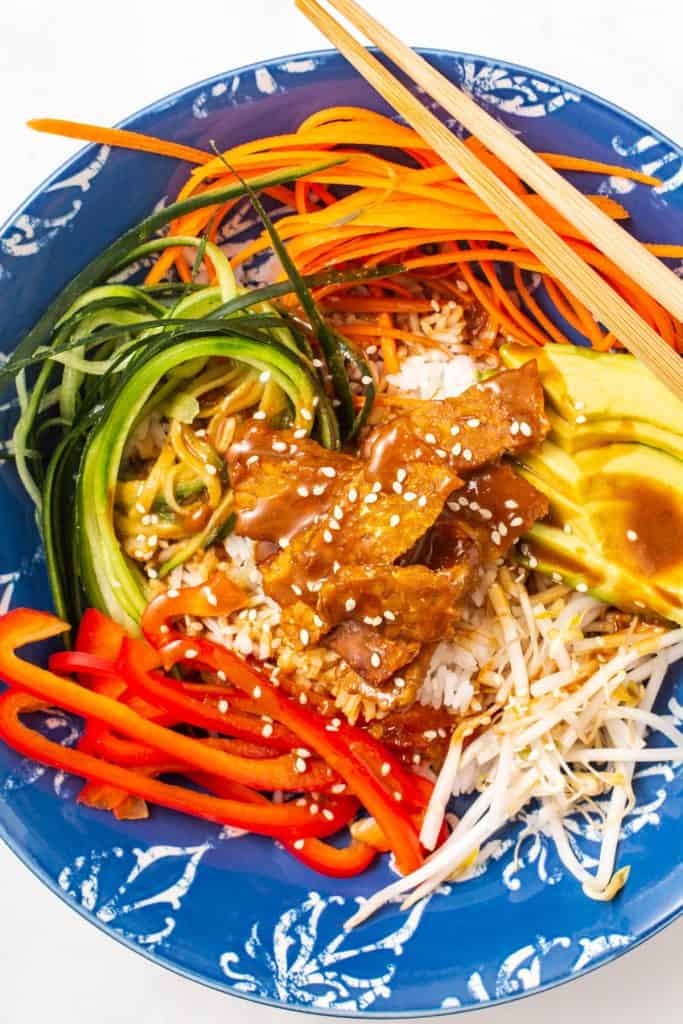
219 596
100 635
286 821
24 626
317 733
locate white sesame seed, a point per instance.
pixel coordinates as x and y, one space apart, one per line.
257 692
222 676
317 621
422 501
375 660
456 449
399 682
353 494
486 513
568 528
297 589
525 428
517 521
339 787
582 587
409 496
533 562
328 815
279 446
223 706
474 422
259 415
313 808
502 529
441 452
267 730
370 498
306 414
580 419
319 489
467 454
386 768
252 460
376 487
338 512
327 536
429 734
556 577
333 524
152 573
298 844
401 474
300 766
514 427
318 363
394 520
631 535
455 430
303 699
397 796
283 542
264 376
328 471
366 379
495 536
350 604
396 487
302 491
299 433
304 636
511 503
430 439
210 597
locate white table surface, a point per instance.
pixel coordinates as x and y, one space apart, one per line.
99 62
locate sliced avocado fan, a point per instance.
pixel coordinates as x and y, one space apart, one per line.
616 509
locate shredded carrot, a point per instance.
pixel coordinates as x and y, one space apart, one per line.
388 345
119 137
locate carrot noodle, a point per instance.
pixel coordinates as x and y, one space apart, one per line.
392 199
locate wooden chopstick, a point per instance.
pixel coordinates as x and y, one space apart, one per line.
562 262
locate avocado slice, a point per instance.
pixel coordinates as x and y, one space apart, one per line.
616 516
585 385
573 437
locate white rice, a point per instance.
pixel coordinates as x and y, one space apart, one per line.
434 375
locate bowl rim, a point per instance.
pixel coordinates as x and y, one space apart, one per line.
22 855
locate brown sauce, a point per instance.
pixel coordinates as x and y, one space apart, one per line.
646 532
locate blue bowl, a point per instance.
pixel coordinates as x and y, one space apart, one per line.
238 913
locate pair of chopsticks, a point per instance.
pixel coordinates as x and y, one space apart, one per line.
634 259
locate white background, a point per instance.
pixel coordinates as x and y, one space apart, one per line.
100 61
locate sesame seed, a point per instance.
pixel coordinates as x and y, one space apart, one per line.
257 692
455 430
398 796
350 604
376 487
299 433
401 474
333 524
511 503
210 597
304 636
631 535
139 507
327 536
366 379
395 520
283 542
462 501
580 419
318 363
517 521
422 501
533 562
556 577
252 460
319 489
303 699
525 428
370 498
467 455
302 491
353 494
495 536
456 449
373 620
339 787
486 513
399 682
514 427
474 422
338 512
409 496
578 404
223 706
306 414
389 615
328 815
582 587
298 844
259 415
441 452
300 766
502 529
317 621
152 540
296 589
386 768
567 528
152 573
430 734
302 751
396 487
375 660
267 730
430 439
279 446
222 676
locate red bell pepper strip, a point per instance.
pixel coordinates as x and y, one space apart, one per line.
319 734
24 626
219 596
336 862
283 821
100 635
